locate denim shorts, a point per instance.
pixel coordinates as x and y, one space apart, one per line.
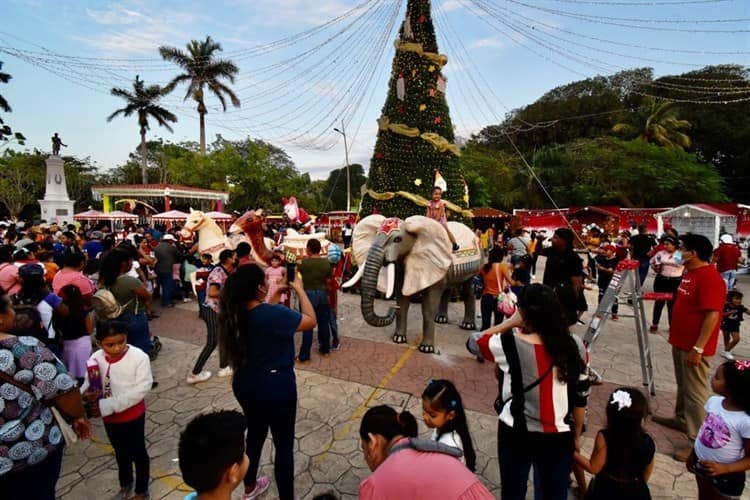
730 485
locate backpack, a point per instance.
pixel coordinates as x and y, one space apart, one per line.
106 306
28 320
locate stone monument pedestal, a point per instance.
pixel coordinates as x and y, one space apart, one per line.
56 206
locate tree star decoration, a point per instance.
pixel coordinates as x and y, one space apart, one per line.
422 107
621 399
431 68
417 182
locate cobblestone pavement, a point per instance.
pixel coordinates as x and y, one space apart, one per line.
334 392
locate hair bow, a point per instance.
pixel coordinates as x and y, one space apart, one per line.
742 365
621 399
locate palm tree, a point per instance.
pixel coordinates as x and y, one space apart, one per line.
4 78
202 69
144 101
660 126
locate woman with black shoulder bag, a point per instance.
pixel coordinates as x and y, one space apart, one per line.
544 384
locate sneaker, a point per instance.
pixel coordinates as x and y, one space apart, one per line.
201 377
727 355
261 485
336 346
653 328
670 422
224 372
615 317
124 494
595 378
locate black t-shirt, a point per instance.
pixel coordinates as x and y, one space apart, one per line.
603 279
641 245
561 267
633 463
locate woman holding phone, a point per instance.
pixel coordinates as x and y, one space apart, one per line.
258 334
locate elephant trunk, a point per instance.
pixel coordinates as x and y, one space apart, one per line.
369 285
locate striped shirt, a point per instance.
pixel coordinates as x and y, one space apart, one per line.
548 404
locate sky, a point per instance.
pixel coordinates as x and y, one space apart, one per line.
309 66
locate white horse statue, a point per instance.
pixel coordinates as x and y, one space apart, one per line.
211 238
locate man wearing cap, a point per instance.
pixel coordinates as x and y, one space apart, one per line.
167 255
727 257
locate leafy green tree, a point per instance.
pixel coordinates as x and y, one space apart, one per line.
21 180
6 133
659 124
334 190
721 132
202 70
414 112
595 103
634 173
144 102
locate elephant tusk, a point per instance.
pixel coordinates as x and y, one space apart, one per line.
391 282
355 278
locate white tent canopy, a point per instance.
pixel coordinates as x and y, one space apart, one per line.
699 218
170 215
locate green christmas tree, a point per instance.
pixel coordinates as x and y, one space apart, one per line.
415 136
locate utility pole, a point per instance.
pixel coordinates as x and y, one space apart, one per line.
346 158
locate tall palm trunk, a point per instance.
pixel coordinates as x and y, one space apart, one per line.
144 175
202 113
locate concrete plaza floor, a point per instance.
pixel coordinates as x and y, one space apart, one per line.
334 392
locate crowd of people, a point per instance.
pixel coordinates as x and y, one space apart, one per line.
62 286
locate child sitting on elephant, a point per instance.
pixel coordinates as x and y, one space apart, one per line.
436 211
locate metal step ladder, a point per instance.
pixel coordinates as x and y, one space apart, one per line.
626 277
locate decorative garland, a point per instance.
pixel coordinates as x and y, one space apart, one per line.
414 198
439 59
438 142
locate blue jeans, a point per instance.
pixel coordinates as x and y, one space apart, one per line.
138 332
488 308
269 401
730 278
166 282
319 300
36 482
333 323
550 454
643 265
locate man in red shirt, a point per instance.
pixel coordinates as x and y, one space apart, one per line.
727 256
693 334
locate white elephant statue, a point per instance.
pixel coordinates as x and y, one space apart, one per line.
414 256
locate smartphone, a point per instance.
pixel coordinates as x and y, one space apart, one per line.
291 270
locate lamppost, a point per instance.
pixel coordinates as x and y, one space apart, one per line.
346 158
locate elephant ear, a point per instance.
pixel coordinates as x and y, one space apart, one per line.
363 235
430 257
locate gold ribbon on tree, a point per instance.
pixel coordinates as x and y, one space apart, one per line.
438 142
414 198
439 59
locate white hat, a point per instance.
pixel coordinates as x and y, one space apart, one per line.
168 237
726 238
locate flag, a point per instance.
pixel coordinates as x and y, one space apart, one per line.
440 182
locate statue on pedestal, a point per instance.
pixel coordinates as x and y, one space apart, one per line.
56 143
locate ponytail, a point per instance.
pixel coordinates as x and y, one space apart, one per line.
384 420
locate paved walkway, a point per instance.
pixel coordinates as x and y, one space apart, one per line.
334 392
